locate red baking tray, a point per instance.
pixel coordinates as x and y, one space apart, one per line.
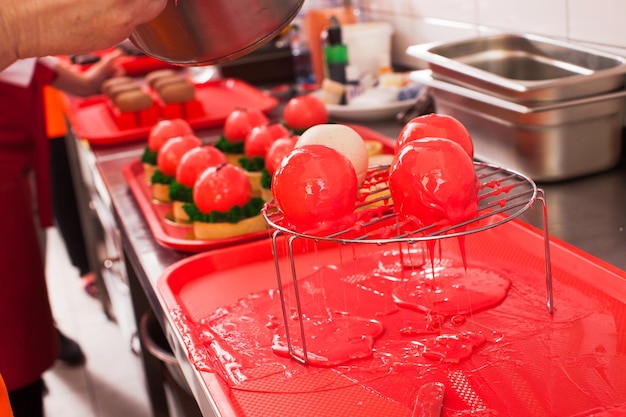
158 215
91 118
179 237
224 308
135 66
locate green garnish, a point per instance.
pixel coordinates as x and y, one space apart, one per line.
159 178
266 179
149 157
180 192
299 132
228 147
254 164
251 209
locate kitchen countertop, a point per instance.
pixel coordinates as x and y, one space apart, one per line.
589 213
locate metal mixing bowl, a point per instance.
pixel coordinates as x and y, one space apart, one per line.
202 32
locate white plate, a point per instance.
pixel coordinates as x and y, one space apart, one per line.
367 113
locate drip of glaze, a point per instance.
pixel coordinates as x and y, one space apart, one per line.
453 291
331 341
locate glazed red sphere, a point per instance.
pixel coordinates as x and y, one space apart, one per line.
315 184
277 151
435 125
241 121
260 139
196 161
172 152
433 181
305 111
343 139
164 130
220 188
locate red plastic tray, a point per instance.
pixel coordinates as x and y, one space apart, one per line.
92 120
142 65
177 236
165 231
133 66
533 364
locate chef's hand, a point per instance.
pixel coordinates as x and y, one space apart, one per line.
33 28
87 83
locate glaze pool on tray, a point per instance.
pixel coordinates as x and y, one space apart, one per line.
529 363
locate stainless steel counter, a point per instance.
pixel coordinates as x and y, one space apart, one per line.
589 213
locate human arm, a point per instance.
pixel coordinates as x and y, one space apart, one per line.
33 28
87 83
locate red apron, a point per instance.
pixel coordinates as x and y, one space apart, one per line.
28 340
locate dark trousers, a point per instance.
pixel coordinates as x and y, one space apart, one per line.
28 401
65 205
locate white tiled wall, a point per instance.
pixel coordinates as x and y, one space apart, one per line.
597 23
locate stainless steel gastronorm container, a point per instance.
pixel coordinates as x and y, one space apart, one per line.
523 67
548 141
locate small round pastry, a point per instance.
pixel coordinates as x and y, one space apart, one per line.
167 162
177 92
158 83
114 81
236 127
192 164
343 139
173 151
114 90
260 138
381 159
256 145
277 151
374 147
434 125
218 190
160 133
153 76
315 185
241 121
433 181
132 100
302 112
164 130
275 155
376 190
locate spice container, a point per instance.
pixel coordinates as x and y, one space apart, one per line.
353 83
302 68
335 53
369 46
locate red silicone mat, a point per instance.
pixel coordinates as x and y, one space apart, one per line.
224 306
180 237
92 119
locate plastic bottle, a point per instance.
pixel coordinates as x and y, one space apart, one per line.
335 53
303 70
353 83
